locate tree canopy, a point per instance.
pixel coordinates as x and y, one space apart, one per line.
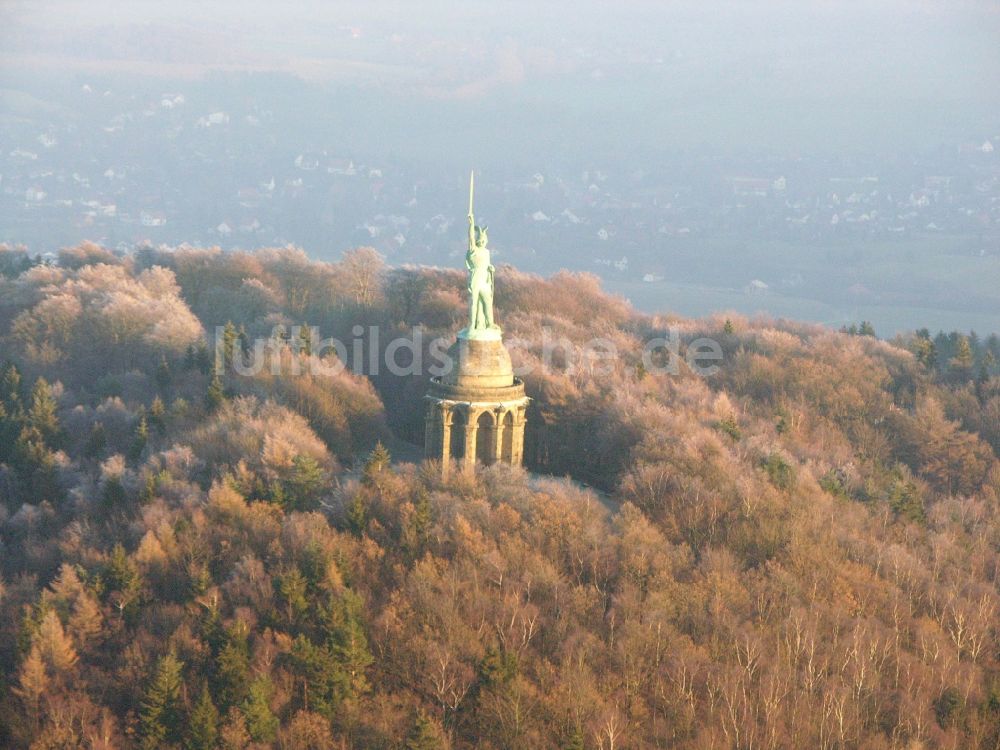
798 551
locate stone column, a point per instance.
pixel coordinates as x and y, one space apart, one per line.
517 444
498 428
445 452
471 431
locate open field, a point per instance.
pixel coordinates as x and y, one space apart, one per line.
693 300
938 282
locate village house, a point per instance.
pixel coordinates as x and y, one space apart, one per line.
152 218
759 187
344 167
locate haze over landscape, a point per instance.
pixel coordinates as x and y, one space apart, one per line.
834 162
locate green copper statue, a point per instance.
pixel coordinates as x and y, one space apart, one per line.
481 273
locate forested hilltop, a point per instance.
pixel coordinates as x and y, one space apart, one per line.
800 551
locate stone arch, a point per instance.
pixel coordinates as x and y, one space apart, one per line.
507 445
458 421
484 437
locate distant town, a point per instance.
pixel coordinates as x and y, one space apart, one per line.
127 168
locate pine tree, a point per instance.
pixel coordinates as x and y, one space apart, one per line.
244 340
305 340
375 467
113 498
292 587
350 648
159 712
10 390
415 534
56 647
982 378
347 640
232 669
31 618
961 364
357 515
926 352
731 427
120 573
42 413
944 345
974 341
122 578
867 329
304 484
229 341
65 588
261 722
215 396
728 328
424 735
139 440
163 374
9 428
199 578
157 414
989 361
12 408
496 668
203 723
948 707
574 741
321 681
905 501
97 441
32 681
275 493
203 358
85 621
993 346
35 464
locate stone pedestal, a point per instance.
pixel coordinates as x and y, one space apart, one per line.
476 411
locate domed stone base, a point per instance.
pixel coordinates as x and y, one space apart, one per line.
479 363
476 410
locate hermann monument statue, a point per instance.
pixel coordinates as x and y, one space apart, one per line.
481 274
476 411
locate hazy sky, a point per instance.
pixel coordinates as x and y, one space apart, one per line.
915 46
843 73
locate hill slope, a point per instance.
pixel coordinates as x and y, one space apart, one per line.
803 553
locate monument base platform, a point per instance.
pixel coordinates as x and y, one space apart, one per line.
476 411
